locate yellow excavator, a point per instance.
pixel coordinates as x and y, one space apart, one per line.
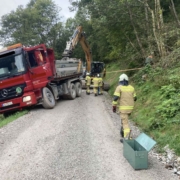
92 67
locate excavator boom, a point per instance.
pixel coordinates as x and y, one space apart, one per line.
79 36
93 68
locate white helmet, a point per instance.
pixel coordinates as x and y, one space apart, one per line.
123 77
97 75
87 74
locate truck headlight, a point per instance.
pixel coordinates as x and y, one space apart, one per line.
26 98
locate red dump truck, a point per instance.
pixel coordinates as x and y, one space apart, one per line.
31 76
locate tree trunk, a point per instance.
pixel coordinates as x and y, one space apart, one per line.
175 13
158 25
135 31
147 19
161 28
132 44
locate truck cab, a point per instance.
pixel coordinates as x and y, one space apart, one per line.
23 72
31 75
97 68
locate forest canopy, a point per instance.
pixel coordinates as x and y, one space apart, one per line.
115 30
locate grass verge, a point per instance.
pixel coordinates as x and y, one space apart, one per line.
4 121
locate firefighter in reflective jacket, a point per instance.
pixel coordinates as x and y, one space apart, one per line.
96 84
126 95
100 87
88 83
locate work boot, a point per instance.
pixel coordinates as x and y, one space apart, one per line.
95 94
121 140
88 93
122 132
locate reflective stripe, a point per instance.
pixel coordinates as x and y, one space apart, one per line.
114 102
117 94
126 132
126 107
127 89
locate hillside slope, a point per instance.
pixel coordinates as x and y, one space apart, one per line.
157 110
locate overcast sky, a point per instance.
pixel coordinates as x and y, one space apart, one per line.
8 5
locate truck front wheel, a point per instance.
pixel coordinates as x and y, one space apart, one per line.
78 89
48 99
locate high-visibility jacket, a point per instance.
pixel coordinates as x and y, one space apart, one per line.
126 96
100 81
88 80
95 82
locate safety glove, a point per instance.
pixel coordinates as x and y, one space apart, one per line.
114 109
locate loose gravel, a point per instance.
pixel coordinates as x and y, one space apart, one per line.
78 140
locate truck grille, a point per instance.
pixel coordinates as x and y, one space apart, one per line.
12 92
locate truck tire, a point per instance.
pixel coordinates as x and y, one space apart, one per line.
48 98
72 92
78 87
83 84
106 86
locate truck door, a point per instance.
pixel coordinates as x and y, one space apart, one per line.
38 68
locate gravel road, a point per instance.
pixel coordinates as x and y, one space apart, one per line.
77 140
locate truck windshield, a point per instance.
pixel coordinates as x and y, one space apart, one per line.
11 65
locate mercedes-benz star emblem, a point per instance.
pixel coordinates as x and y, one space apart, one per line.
4 92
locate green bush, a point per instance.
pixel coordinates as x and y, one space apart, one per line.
170 102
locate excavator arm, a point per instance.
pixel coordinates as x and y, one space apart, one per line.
93 68
87 52
79 36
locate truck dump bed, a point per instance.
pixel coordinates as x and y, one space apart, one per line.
68 67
